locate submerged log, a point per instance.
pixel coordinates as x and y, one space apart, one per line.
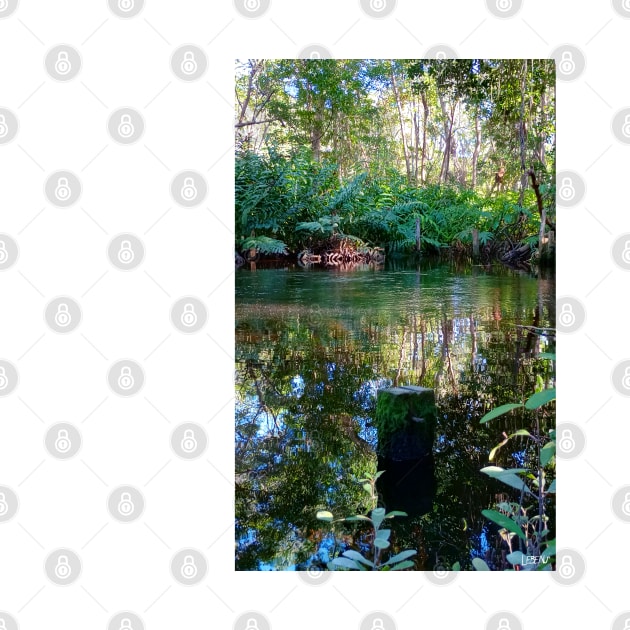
405 421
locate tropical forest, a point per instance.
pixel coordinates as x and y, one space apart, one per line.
395 233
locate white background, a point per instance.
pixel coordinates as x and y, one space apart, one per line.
189 252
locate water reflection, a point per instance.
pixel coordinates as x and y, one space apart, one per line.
313 347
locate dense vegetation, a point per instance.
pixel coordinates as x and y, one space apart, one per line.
406 155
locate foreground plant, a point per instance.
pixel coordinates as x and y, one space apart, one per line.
372 560
524 523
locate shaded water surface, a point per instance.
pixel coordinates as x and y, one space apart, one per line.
313 347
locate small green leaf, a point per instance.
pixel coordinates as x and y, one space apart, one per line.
547 355
395 513
456 567
540 398
547 452
504 521
324 515
552 486
346 563
367 487
507 477
384 533
516 557
381 543
480 565
521 432
399 557
358 517
355 555
378 516
407 564
499 411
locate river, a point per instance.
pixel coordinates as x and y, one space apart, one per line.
313 347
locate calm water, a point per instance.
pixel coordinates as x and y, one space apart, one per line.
313 347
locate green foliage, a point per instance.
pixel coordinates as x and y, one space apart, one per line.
355 561
512 517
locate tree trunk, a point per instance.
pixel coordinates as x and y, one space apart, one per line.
475 156
523 136
402 124
425 105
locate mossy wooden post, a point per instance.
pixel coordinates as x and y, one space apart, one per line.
405 421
